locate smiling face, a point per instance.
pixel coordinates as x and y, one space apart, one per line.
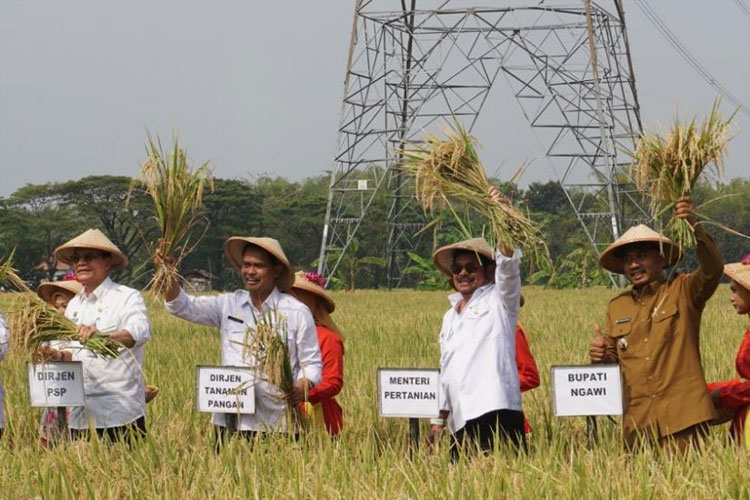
91 267
642 264
740 298
259 271
468 273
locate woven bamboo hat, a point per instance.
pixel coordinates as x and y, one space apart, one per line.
443 256
740 272
234 247
47 290
311 282
92 239
639 234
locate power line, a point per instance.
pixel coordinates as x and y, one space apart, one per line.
657 21
743 7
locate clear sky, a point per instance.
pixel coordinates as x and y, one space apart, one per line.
255 87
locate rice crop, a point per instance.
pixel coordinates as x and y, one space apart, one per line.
667 166
371 458
449 170
177 191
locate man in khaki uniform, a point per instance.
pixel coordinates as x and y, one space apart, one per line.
652 331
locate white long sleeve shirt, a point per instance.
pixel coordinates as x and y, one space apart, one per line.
478 372
3 350
114 389
234 313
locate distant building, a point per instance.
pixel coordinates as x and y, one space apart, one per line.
200 280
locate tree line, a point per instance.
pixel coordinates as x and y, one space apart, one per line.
35 219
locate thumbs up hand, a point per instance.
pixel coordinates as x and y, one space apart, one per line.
598 346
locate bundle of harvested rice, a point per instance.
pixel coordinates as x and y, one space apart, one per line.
177 191
9 276
34 322
450 169
265 347
667 167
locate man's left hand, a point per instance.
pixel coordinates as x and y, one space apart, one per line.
684 209
85 332
298 394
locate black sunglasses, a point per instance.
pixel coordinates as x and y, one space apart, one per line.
469 266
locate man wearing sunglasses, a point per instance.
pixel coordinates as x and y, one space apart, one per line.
114 388
480 392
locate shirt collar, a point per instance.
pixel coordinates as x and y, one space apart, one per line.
649 288
99 291
271 300
455 298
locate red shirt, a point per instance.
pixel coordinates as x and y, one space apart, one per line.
332 352
734 395
528 374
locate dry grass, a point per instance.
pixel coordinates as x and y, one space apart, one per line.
449 170
667 167
177 192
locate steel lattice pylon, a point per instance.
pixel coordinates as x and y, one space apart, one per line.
425 64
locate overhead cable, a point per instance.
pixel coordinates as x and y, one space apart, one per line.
657 21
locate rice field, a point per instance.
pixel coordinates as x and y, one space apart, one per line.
371 459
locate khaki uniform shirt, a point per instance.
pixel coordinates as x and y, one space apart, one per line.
653 334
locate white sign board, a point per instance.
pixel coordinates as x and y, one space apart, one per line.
408 392
225 389
586 390
56 383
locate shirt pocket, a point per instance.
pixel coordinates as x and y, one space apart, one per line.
664 322
620 334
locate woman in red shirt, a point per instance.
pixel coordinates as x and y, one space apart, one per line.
732 397
528 373
308 288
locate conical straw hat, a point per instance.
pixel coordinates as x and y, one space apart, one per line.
48 289
235 247
639 234
302 281
740 272
443 256
92 239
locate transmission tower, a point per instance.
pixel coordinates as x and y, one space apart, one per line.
417 66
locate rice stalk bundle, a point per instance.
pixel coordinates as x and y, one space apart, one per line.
266 348
177 192
9 276
667 167
36 323
449 169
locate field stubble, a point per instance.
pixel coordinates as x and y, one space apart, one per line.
371 459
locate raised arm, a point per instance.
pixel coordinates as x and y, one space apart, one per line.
704 280
205 310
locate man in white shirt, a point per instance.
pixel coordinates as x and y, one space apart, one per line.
3 350
114 388
266 273
480 391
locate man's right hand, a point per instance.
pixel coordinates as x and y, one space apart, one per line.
434 434
598 346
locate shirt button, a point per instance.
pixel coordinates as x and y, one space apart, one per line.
653 396
646 339
648 358
648 378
